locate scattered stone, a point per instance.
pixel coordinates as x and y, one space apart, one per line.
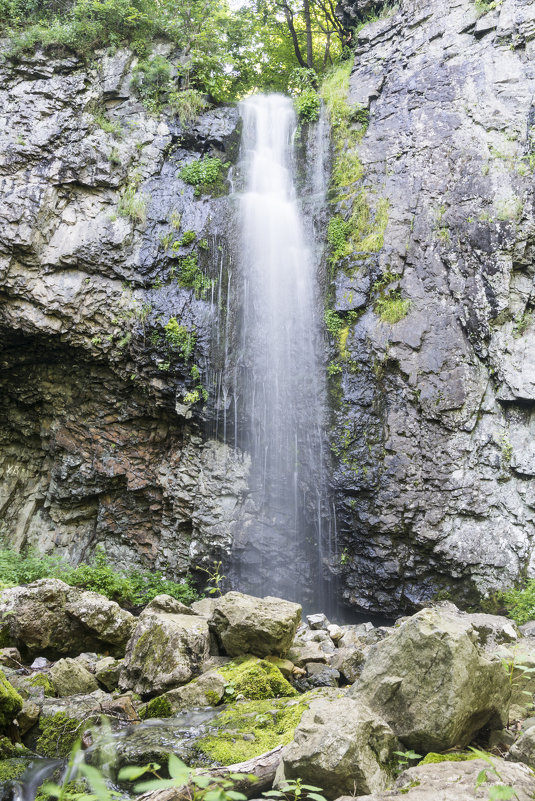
335 632
318 621
69 677
40 663
165 651
339 745
107 672
260 626
28 716
349 662
524 748
456 781
432 684
302 653
319 675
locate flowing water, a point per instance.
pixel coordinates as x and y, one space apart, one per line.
279 389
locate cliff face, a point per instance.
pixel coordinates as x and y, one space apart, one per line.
435 426
97 441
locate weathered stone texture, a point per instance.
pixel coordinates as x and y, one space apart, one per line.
96 442
435 426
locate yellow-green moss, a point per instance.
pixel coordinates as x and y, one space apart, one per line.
59 732
455 756
11 769
256 679
159 707
10 702
42 680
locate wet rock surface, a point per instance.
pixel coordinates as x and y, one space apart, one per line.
98 443
434 428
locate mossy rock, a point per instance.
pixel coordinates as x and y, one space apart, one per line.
256 679
455 756
9 750
10 702
159 707
59 732
42 680
250 728
12 769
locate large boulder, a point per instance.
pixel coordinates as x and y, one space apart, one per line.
431 682
260 626
457 781
341 746
49 617
165 651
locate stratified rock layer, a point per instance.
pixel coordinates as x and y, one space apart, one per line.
434 427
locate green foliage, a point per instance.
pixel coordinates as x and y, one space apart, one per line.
187 104
334 322
520 602
132 203
307 105
190 276
206 174
133 588
497 792
151 80
215 578
179 338
404 759
187 238
295 790
107 125
338 232
255 679
392 308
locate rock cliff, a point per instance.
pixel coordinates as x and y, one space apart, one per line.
101 438
435 418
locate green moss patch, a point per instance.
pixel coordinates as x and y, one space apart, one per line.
10 702
59 732
456 756
256 679
159 707
251 728
42 680
12 769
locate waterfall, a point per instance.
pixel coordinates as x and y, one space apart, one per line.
280 389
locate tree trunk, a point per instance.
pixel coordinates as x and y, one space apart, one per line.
308 26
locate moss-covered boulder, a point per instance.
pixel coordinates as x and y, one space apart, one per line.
69 677
255 679
260 626
432 683
10 702
207 690
50 618
58 733
341 746
165 651
11 770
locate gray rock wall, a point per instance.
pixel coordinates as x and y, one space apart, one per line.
435 417
97 444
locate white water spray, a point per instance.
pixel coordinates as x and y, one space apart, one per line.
280 388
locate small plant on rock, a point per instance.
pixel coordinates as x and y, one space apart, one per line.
215 578
295 790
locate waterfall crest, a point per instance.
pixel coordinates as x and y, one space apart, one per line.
279 386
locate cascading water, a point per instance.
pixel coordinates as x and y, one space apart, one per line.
279 390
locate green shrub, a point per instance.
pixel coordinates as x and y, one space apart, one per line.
205 174
151 80
137 587
180 338
190 276
334 322
520 602
187 104
392 308
307 105
133 204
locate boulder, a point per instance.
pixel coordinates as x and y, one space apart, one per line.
319 675
165 651
69 677
341 746
28 716
10 657
169 605
318 621
10 702
260 626
49 617
349 662
524 748
302 653
431 682
457 781
108 671
207 690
